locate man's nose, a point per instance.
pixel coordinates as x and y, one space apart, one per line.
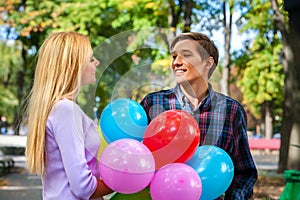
178 61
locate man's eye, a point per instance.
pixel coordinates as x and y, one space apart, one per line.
92 59
186 55
174 57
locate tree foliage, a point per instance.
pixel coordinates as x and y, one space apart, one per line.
10 57
130 38
263 76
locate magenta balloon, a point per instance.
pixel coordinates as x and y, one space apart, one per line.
125 182
176 181
127 166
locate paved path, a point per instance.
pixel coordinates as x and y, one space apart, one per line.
19 184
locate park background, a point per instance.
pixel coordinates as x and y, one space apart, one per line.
131 39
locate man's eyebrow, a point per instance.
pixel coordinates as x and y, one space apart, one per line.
182 51
186 51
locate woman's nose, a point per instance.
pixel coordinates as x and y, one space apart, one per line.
97 62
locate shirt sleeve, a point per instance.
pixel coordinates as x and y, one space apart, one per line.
245 172
145 104
67 124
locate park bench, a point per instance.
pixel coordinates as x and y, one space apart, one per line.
264 144
10 147
6 164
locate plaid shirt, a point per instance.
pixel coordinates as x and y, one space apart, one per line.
222 122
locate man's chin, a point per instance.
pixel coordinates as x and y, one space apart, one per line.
180 80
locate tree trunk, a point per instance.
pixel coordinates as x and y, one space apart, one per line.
294 71
20 93
173 18
226 68
287 112
294 150
289 157
187 18
268 120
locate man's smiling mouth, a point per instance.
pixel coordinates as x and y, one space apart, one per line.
179 71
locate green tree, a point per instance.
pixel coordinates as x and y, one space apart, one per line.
289 157
274 47
10 56
31 21
24 20
262 82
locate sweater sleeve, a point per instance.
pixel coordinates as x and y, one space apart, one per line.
66 120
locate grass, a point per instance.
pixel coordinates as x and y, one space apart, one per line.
269 185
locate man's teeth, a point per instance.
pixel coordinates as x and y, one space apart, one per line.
180 70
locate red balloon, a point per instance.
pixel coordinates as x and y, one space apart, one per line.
172 136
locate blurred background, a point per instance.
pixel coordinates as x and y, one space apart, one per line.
258 62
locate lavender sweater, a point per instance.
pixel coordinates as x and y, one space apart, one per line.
72 144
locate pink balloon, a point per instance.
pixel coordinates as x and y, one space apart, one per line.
176 181
127 166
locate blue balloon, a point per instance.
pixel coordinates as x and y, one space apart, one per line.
123 118
215 168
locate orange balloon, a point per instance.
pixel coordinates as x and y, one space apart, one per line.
172 136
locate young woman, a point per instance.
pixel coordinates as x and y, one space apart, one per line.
63 142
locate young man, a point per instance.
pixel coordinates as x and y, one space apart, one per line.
222 120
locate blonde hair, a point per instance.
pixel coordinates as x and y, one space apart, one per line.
57 75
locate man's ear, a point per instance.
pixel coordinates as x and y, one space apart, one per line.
210 62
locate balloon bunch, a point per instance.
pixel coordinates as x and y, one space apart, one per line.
161 160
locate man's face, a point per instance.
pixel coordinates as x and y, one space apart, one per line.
187 64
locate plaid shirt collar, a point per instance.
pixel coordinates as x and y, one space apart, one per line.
185 103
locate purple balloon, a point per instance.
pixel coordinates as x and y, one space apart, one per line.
176 181
127 166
